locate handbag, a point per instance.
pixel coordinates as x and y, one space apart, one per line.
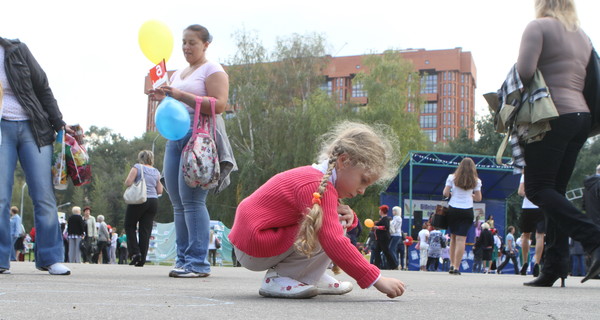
591 91
440 217
200 156
136 193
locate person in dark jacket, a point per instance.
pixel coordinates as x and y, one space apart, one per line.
382 234
75 232
30 118
486 241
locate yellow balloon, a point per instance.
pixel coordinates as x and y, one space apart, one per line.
156 41
369 223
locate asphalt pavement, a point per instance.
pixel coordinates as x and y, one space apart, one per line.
124 292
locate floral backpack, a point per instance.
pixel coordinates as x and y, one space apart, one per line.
200 157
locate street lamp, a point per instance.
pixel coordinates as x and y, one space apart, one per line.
62 205
158 135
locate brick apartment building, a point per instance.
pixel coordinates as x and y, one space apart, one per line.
448 90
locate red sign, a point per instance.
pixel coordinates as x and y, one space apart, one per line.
158 75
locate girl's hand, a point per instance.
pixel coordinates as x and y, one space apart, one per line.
390 286
346 214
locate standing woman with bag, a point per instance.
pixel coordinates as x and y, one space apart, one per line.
202 78
142 214
465 187
30 118
556 45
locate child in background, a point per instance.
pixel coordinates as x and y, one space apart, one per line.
290 226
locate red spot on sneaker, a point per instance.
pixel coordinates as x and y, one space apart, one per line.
288 288
268 280
337 285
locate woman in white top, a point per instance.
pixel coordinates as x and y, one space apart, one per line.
465 187
423 246
396 233
532 219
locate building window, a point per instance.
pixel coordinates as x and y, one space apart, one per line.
430 107
462 78
341 94
429 83
462 121
327 86
339 82
357 90
462 105
431 134
428 121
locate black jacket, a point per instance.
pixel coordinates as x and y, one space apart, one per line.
591 198
75 225
30 85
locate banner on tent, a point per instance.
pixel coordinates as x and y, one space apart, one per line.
427 207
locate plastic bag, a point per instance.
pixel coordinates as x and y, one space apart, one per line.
59 163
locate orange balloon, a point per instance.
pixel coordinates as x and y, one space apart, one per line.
369 223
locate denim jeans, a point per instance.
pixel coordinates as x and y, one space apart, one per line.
18 143
396 240
192 221
550 163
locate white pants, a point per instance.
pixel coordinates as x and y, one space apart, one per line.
423 257
290 264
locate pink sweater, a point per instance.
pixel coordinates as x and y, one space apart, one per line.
267 222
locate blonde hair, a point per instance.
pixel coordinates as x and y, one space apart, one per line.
465 176
146 157
397 210
485 226
76 210
561 10
367 147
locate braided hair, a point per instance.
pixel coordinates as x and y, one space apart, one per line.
365 146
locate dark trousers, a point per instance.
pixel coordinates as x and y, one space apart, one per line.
87 249
550 163
432 264
103 247
401 249
383 246
510 256
141 215
212 256
122 255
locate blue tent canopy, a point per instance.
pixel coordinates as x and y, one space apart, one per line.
431 169
423 177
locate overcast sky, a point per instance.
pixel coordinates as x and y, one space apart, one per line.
96 69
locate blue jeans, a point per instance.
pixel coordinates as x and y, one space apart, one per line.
18 143
394 248
192 221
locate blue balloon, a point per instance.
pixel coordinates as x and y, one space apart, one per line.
172 119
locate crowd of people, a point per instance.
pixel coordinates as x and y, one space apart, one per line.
294 226
86 239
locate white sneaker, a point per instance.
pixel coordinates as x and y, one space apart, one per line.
181 273
276 286
57 269
175 271
4 271
329 285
